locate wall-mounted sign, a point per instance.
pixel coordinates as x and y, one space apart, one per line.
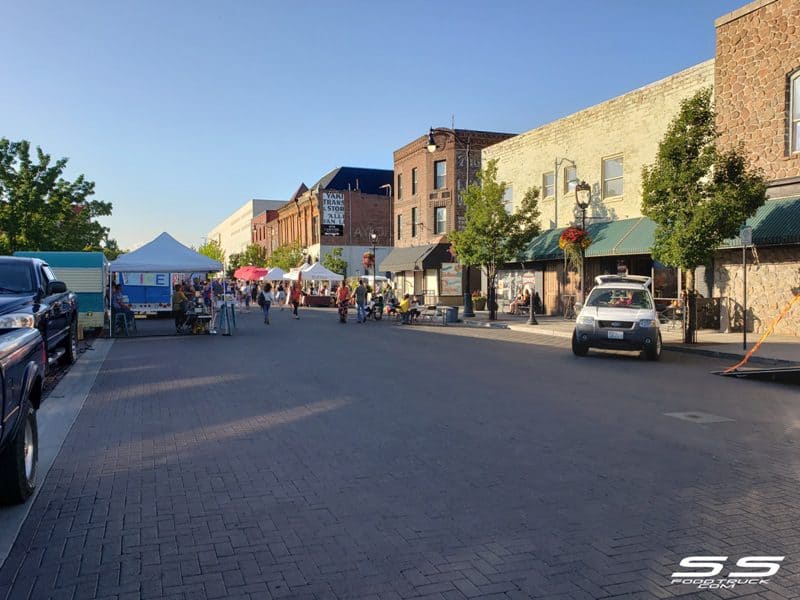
333 213
450 277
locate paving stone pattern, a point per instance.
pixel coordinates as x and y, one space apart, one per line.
308 459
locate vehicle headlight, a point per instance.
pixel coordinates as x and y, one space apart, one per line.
16 321
648 323
585 320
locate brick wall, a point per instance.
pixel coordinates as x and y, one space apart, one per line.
758 47
631 125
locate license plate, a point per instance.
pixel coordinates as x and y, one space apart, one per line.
616 335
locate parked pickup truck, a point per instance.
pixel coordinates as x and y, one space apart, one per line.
31 297
22 368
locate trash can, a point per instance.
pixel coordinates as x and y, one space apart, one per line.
451 314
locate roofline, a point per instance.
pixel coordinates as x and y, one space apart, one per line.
424 137
741 12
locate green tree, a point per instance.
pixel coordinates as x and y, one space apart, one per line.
213 250
39 209
234 262
254 255
492 236
287 256
333 261
698 195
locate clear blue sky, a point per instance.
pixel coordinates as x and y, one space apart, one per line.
181 111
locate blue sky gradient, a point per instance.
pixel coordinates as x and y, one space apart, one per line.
181 111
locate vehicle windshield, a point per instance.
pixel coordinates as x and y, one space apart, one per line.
15 279
619 298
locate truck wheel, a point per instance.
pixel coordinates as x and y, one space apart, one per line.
71 344
18 462
578 349
653 351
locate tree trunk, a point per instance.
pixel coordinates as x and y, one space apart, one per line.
690 310
492 295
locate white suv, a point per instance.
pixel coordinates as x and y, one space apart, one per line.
619 314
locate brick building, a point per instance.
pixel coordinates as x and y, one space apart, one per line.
264 230
340 210
430 174
757 89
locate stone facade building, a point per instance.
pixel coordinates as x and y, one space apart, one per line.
757 89
430 174
340 210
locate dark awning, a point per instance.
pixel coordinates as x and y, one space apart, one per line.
776 222
416 258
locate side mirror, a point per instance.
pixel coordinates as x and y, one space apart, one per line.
578 306
56 287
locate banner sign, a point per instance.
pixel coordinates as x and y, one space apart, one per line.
333 213
146 279
450 275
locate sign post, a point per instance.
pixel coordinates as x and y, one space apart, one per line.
746 236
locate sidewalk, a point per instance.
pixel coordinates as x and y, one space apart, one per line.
777 350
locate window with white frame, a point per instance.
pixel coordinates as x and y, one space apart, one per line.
548 185
508 199
612 177
440 214
440 174
794 114
570 179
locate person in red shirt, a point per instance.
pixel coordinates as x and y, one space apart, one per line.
294 298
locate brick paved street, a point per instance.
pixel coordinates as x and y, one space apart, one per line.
313 460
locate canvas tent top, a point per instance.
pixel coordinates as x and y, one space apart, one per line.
274 274
315 272
164 254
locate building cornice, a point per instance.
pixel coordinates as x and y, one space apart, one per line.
741 12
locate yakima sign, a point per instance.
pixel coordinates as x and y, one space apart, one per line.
333 213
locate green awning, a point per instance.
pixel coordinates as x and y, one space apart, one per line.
775 223
543 247
607 237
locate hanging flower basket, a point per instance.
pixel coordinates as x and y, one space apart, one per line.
573 241
368 259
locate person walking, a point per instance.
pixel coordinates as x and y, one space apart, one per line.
360 296
281 296
342 298
246 293
265 299
295 293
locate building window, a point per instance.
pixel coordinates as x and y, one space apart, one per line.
795 112
548 185
399 187
399 226
440 215
440 174
612 177
414 222
414 181
314 230
508 199
570 179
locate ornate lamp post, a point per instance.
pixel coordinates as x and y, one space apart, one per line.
583 196
374 237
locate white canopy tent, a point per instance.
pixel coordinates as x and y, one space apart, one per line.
164 254
315 272
276 274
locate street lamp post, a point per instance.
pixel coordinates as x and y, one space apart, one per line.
374 237
583 196
433 147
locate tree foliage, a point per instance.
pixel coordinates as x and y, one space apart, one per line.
493 236
334 262
40 209
697 195
287 256
213 250
254 255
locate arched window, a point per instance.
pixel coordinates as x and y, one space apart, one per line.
794 112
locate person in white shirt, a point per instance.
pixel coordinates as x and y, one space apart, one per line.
265 299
